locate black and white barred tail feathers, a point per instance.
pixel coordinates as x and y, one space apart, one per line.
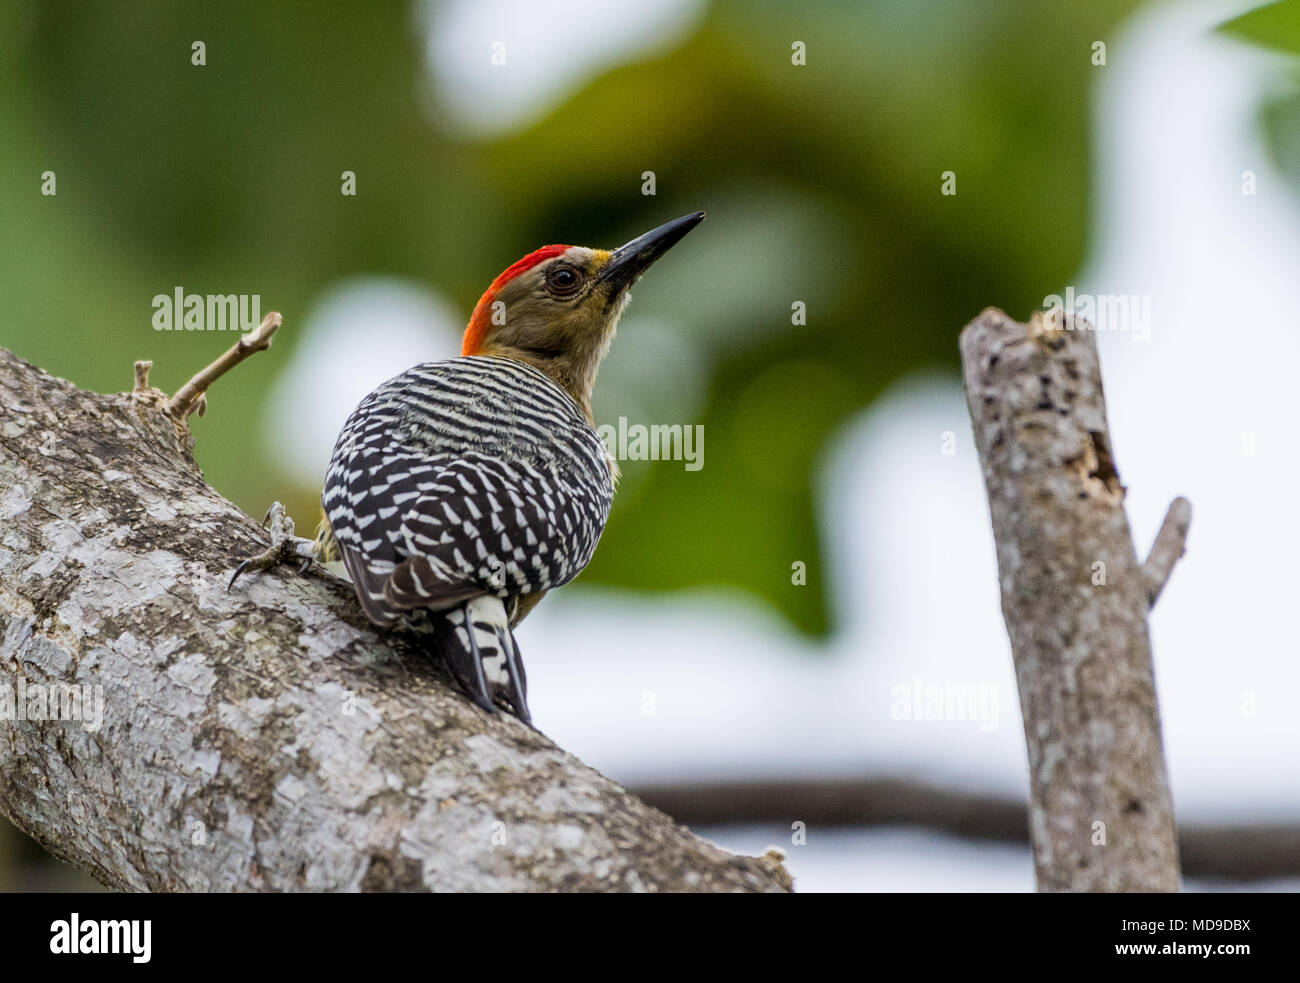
477 645
476 475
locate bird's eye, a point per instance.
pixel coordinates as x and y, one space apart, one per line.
563 280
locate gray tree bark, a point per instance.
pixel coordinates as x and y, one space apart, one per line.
1075 601
265 739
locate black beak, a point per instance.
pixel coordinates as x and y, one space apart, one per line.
628 262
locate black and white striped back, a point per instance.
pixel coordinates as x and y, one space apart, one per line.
475 475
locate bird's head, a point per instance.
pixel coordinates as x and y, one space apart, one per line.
558 307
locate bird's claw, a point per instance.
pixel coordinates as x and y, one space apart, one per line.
285 546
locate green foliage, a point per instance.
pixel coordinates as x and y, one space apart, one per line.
1274 25
822 184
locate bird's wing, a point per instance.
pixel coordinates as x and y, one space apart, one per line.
507 527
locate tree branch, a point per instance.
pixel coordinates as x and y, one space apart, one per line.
1075 599
264 740
191 396
1168 548
1241 852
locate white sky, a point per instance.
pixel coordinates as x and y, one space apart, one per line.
736 693
549 51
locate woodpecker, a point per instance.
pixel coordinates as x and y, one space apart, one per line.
461 491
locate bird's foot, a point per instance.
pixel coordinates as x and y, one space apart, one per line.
285 546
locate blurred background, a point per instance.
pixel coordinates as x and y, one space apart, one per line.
752 639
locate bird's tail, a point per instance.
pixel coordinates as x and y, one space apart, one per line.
476 642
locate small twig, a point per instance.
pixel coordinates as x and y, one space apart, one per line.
142 376
189 398
1170 544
